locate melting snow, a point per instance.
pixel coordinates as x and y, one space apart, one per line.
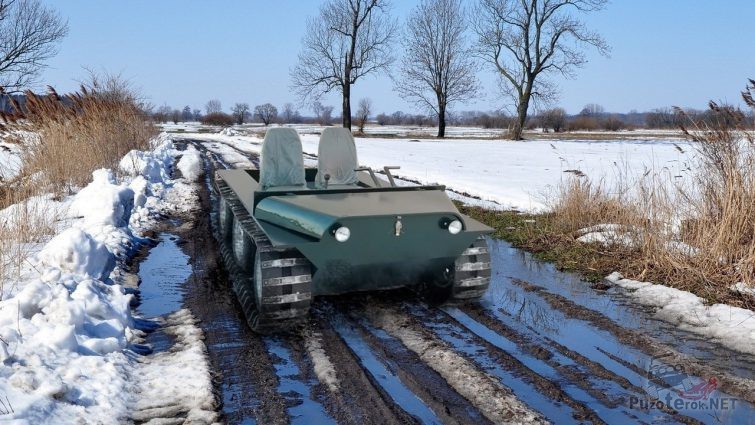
732 327
66 327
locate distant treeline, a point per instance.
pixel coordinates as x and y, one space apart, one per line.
591 117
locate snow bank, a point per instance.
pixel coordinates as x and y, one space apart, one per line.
191 164
66 326
730 326
103 202
154 165
75 251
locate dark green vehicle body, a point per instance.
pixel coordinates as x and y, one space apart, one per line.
288 233
376 256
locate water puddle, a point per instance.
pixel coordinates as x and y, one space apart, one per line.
302 409
509 262
528 313
388 380
162 277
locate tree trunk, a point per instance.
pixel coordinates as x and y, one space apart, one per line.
442 121
521 115
347 106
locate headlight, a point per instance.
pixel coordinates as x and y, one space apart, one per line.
342 234
454 227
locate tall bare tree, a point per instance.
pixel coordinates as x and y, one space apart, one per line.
29 35
346 41
437 70
267 113
289 114
363 113
527 40
240 111
213 106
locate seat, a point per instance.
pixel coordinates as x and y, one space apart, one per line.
282 162
337 156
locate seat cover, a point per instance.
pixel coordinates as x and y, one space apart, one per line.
337 156
282 162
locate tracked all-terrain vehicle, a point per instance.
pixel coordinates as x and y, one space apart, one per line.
288 233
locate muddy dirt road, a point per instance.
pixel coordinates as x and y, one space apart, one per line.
541 347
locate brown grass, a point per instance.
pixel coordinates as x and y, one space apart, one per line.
715 213
68 137
22 226
79 132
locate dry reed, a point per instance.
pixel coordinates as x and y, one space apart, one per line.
699 237
79 132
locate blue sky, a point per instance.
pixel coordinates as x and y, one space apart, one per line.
664 52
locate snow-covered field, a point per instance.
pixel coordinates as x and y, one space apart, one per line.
68 339
409 131
518 175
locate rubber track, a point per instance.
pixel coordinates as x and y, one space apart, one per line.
472 274
286 294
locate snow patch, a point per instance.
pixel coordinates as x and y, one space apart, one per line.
743 288
607 234
324 368
191 164
730 326
188 391
75 251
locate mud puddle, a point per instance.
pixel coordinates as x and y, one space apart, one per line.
163 275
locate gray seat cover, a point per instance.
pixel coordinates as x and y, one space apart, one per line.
337 156
282 161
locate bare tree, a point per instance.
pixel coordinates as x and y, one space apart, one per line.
525 41
289 114
346 41
437 69
363 113
592 110
240 110
213 106
186 113
29 36
196 114
267 113
163 113
554 119
175 116
323 114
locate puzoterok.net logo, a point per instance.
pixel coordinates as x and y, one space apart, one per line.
670 386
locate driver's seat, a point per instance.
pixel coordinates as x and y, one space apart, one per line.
337 157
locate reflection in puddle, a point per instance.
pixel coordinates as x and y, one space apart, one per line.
529 314
302 409
163 275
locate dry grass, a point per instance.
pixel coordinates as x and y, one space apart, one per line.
79 132
714 216
65 139
23 225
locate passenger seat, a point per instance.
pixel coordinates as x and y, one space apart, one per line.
282 162
337 156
